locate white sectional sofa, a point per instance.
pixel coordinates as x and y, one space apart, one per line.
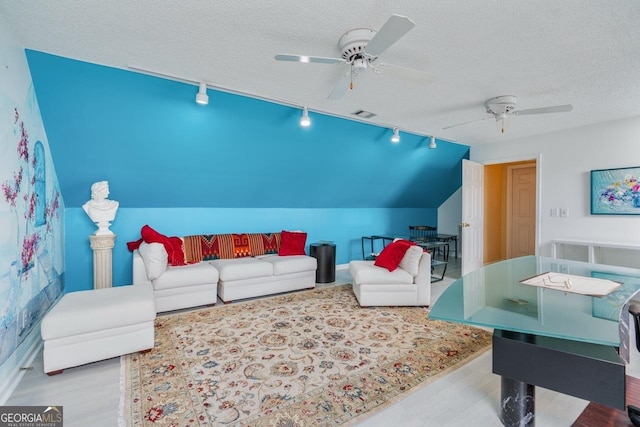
407 285
178 286
270 274
228 266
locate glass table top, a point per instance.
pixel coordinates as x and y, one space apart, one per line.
492 296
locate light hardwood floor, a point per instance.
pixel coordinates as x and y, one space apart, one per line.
468 396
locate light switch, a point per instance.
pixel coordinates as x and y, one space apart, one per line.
554 212
564 213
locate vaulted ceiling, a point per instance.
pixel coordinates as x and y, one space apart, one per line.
546 52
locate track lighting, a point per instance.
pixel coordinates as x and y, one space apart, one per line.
305 120
396 136
201 97
432 143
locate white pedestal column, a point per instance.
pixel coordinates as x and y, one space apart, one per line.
102 246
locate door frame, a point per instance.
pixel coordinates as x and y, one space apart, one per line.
526 157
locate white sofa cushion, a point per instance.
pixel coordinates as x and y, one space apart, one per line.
181 276
411 260
155 259
364 272
242 268
98 310
291 263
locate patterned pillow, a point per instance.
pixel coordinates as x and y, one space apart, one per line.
208 247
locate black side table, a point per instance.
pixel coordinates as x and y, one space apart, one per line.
325 253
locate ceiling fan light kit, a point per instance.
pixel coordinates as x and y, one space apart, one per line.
352 43
501 105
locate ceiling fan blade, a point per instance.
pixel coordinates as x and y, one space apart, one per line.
341 88
303 58
404 73
395 27
544 110
466 123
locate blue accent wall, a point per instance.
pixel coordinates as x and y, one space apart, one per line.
158 148
237 165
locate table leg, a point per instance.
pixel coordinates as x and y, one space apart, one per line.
455 242
517 403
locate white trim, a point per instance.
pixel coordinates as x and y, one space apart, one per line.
342 266
537 157
10 371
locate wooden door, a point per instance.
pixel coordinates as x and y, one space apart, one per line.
521 210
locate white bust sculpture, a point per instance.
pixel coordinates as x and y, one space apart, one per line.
99 208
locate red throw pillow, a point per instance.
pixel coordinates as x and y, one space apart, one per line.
292 243
132 246
392 254
173 245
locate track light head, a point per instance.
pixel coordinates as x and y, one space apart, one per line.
396 136
201 97
305 120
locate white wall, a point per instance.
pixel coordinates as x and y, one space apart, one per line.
566 159
450 217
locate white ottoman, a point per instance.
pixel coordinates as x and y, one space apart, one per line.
88 326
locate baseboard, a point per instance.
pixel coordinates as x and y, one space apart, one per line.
23 355
342 267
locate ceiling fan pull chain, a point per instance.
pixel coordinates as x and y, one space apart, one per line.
351 76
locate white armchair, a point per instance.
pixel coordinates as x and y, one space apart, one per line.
404 286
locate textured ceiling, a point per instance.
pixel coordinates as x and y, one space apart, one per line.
585 53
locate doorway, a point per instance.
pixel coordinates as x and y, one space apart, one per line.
510 212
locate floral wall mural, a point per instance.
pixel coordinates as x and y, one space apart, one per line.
31 210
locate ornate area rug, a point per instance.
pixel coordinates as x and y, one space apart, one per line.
311 358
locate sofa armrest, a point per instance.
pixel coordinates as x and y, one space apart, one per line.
139 270
423 279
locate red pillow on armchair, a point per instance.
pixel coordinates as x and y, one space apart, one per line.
173 245
392 254
292 243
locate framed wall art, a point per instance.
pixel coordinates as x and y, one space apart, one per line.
615 191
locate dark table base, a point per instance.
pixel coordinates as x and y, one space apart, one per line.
588 371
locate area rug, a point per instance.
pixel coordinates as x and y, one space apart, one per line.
311 358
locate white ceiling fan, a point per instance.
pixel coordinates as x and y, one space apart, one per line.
501 107
360 49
